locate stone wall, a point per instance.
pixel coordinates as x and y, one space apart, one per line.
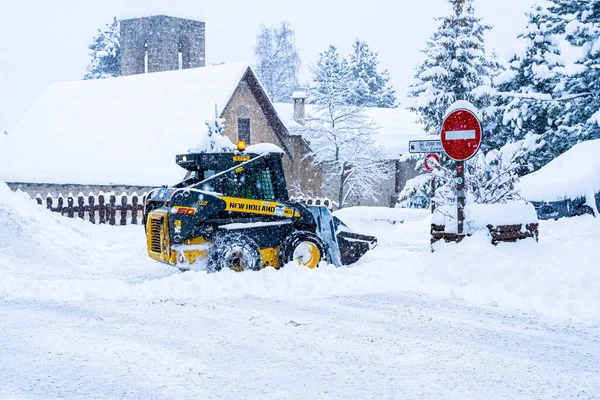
388 189
243 104
162 37
43 189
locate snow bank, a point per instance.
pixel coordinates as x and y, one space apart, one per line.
550 278
384 215
29 234
557 277
38 244
187 9
573 174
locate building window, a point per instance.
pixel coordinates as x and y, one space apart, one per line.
244 130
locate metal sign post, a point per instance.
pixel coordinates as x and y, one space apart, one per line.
460 196
432 162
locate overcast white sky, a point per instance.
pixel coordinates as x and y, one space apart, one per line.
44 41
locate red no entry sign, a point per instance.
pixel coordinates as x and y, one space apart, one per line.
461 134
432 161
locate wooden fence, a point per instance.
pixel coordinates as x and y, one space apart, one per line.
315 201
105 209
127 211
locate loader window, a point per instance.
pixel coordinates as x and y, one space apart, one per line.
265 184
249 184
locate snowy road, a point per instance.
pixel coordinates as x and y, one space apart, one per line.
367 347
86 315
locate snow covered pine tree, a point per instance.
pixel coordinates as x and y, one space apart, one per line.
456 67
372 88
530 114
105 53
277 61
215 141
340 134
579 93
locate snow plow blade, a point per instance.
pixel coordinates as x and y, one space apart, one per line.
354 245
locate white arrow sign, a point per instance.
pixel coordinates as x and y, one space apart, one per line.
425 146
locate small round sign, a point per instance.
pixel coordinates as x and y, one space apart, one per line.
431 162
461 134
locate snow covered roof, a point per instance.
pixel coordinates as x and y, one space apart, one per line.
187 9
123 130
572 174
397 126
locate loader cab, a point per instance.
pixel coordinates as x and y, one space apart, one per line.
249 176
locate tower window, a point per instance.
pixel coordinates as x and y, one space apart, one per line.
145 58
244 130
180 56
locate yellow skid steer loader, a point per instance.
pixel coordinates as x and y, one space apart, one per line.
233 211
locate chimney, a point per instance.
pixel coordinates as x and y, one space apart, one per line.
299 98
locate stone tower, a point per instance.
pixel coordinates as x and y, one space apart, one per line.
161 43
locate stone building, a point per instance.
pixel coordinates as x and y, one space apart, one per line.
161 43
122 134
397 127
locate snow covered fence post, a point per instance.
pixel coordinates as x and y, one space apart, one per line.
112 208
134 209
92 211
101 209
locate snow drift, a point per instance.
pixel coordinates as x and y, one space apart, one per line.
576 173
52 258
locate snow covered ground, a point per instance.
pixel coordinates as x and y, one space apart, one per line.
85 314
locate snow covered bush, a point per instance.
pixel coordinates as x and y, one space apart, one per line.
416 192
490 178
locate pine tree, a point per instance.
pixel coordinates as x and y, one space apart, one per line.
340 134
530 115
277 61
332 81
372 88
579 21
105 53
456 68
